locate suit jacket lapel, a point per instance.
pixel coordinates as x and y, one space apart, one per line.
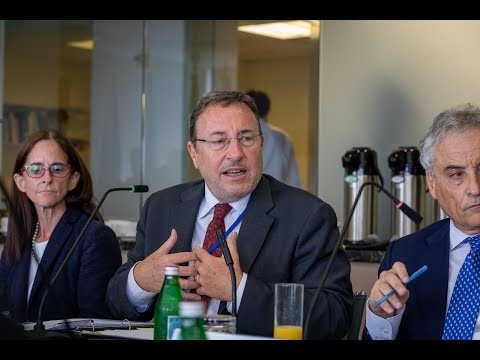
255 225
438 249
59 238
21 286
183 216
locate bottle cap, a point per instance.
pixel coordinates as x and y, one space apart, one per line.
171 270
192 308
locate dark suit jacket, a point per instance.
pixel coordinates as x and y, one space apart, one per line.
425 310
287 235
82 284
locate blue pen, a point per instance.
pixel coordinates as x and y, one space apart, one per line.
415 275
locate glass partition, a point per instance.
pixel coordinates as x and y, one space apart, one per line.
46 83
123 90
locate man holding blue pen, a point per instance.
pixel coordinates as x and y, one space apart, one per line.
444 302
276 233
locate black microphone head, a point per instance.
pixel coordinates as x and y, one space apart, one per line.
407 210
412 214
139 188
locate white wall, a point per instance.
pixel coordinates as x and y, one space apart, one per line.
381 84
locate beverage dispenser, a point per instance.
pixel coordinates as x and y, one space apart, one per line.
408 185
360 164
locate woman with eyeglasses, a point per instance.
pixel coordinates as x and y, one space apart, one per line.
51 196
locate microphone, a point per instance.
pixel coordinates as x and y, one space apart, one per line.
228 260
39 326
134 188
407 210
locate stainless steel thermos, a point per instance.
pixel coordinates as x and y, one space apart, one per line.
360 166
408 185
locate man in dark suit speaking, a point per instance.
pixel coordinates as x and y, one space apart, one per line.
285 234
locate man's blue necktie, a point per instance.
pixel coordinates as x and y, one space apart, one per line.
465 302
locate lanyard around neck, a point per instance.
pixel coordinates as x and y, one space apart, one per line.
230 229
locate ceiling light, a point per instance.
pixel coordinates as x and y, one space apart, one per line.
280 30
86 44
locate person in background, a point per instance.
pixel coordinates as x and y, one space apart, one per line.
52 198
278 233
278 154
450 154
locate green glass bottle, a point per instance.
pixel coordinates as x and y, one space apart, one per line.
168 302
192 313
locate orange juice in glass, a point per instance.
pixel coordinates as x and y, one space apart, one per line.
287 332
288 311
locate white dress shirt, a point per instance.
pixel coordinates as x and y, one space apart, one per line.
141 299
387 329
39 250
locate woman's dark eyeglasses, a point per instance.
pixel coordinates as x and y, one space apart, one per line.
37 170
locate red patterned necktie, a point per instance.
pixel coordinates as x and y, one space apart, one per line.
221 210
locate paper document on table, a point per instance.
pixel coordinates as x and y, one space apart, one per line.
91 324
147 334
141 334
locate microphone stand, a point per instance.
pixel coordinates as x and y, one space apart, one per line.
412 214
228 260
39 326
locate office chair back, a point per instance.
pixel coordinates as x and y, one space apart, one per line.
359 299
